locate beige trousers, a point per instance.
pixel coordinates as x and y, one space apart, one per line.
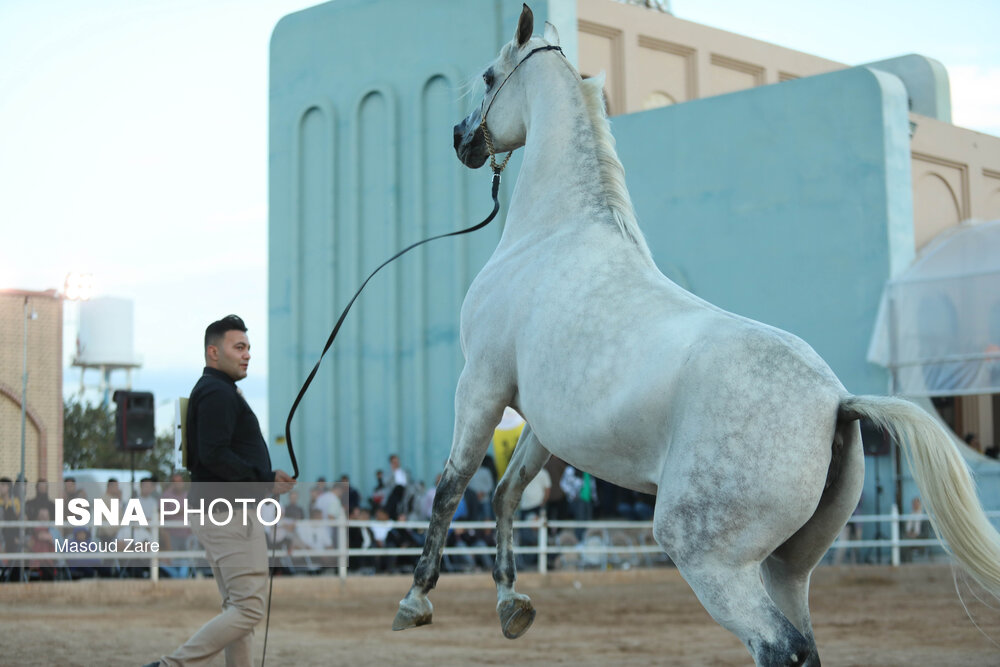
238 556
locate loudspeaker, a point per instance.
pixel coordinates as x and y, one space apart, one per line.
134 420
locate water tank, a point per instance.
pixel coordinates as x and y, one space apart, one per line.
104 337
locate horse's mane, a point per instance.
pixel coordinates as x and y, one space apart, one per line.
612 171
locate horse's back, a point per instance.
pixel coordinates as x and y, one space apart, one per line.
635 364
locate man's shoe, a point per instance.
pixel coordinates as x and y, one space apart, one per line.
152 664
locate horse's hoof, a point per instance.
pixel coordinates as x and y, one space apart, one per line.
516 616
412 614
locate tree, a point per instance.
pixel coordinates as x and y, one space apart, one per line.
89 442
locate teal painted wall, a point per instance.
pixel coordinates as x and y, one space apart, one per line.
790 204
363 97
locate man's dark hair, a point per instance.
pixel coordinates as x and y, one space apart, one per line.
69 479
216 331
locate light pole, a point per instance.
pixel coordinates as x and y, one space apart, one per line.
22 482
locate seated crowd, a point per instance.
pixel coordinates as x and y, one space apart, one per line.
394 499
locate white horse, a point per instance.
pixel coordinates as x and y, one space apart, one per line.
623 374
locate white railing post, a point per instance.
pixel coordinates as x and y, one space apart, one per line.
543 544
894 535
154 563
342 546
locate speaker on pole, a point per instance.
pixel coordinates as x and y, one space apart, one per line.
134 420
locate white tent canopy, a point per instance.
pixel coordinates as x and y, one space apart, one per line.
938 326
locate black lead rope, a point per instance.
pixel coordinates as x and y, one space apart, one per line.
326 348
343 315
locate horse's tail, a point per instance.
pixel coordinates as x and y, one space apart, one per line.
946 487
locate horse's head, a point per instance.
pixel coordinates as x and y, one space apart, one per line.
501 112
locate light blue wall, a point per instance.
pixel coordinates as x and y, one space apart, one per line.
363 97
790 204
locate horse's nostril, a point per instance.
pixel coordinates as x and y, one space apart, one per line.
458 137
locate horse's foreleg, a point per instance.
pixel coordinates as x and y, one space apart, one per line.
515 610
476 415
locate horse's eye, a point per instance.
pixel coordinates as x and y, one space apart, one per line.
488 79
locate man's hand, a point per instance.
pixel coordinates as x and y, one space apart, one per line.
283 482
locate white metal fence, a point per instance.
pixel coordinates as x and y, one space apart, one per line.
600 544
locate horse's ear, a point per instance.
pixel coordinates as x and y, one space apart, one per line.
551 35
525 25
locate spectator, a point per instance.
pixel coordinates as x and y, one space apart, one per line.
148 498
581 495
314 494
914 529
396 503
176 538
129 537
353 496
112 494
380 528
42 540
10 510
398 474
533 502
556 507
70 490
292 509
82 568
400 537
360 537
424 503
40 500
315 536
479 494
380 491
635 506
329 505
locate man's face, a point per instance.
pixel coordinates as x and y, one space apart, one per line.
231 355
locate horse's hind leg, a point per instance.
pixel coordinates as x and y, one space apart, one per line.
718 517
515 610
787 571
478 407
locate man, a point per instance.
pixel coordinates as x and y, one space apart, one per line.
10 510
228 460
107 532
41 500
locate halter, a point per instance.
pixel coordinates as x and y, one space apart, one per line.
497 168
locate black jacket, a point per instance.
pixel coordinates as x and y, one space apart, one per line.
224 442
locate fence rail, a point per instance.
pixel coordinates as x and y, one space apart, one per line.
599 541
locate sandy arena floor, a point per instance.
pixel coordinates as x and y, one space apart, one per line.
862 616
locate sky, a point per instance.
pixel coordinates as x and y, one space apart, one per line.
133 146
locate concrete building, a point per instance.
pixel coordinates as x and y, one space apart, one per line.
43 406
790 203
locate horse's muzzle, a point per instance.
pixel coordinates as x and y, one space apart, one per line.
470 145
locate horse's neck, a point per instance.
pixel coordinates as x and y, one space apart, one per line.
560 176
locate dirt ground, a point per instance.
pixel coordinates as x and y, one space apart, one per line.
863 615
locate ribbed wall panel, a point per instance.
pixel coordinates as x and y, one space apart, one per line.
351 188
315 281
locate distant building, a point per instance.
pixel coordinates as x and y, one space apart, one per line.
43 421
